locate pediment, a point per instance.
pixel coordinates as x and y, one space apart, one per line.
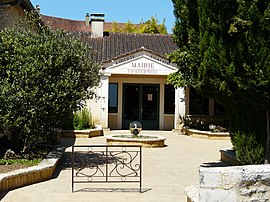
140 63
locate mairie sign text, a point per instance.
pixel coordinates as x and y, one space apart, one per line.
142 68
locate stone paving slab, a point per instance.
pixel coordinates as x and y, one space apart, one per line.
167 172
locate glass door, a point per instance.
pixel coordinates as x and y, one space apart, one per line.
141 103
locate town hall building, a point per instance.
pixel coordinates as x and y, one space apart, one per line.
134 71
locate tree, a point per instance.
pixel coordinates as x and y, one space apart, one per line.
224 54
45 76
150 26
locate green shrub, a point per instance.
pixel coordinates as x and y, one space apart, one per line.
248 133
76 120
247 148
82 119
200 123
26 162
68 122
45 75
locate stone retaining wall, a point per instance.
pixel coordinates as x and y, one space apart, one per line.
232 184
31 175
82 133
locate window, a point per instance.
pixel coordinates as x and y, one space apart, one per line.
113 98
169 106
198 105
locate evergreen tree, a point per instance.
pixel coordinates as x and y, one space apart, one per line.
224 54
150 26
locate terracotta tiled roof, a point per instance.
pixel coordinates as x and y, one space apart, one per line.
115 45
73 25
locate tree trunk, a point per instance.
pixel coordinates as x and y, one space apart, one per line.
267 146
14 140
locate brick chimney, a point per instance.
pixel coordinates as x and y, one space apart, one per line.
38 9
97 20
87 19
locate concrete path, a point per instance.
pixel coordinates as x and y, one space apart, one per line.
166 173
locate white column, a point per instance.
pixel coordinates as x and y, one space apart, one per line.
180 107
104 98
161 106
120 104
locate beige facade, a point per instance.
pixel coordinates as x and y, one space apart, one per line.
141 69
11 12
144 69
10 16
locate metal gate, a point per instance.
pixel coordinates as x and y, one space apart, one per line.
106 164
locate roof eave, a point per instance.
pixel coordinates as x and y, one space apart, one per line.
28 5
25 4
133 52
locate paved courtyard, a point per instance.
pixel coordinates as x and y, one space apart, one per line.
166 172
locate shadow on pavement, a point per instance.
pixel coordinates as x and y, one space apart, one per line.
65 159
143 190
3 194
67 142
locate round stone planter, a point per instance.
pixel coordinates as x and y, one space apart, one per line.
206 134
151 141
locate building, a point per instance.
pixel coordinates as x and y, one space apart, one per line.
12 11
135 68
133 85
134 82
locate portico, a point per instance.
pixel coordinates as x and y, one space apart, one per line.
134 87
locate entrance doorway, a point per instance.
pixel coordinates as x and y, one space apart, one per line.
141 103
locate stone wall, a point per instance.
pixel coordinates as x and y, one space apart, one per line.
10 16
234 183
30 175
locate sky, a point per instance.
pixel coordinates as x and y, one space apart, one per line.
114 10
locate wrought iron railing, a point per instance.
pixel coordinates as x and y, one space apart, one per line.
103 164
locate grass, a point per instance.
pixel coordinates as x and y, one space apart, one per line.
25 162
